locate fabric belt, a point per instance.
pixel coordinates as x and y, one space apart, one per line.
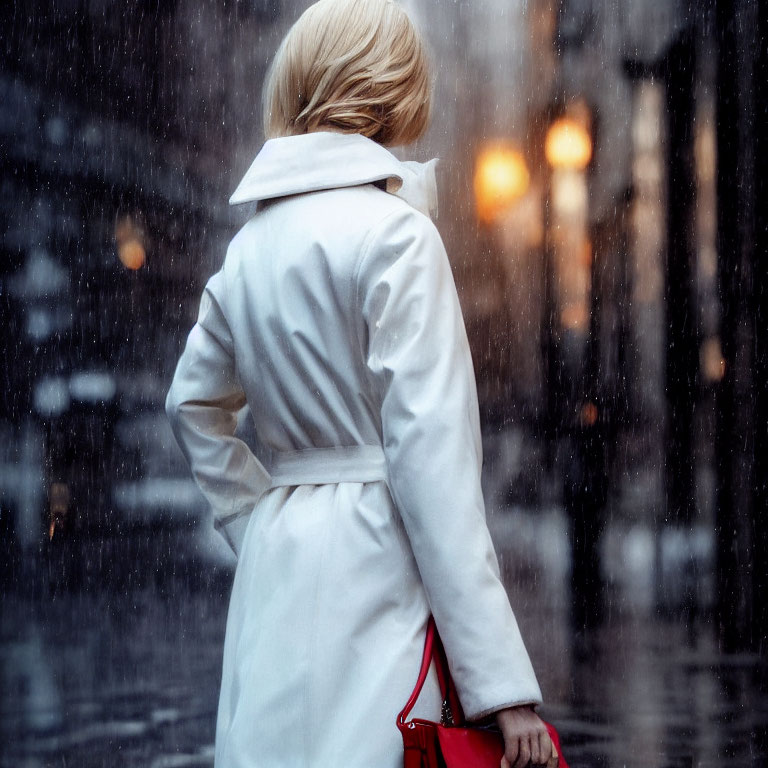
320 466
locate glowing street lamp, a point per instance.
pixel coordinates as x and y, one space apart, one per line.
568 145
501 179
129 238
568 149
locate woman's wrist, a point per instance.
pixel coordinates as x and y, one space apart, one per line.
507 712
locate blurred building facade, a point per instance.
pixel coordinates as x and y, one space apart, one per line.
120 131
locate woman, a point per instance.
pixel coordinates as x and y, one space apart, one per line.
335 319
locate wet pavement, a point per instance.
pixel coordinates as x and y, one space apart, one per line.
127 674
110 680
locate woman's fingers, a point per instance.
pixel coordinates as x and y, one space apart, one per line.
535 750
527 743
511 750
523 753
551 761
545 749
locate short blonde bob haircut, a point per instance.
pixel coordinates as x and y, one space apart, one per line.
355 66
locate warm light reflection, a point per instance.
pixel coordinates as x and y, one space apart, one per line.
575 316
588 414
568 144
501 179
647 233
129 237
571 247
712 360
570 195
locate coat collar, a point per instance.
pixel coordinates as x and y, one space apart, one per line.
309 162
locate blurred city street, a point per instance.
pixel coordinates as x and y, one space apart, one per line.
602 185
124 671
131 679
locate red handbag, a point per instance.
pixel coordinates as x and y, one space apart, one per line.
451 743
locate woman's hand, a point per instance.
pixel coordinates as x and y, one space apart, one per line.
526 740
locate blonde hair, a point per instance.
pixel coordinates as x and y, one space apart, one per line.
355 66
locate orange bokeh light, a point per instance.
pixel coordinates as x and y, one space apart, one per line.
568 144
129 237
588 414
131 254
501 179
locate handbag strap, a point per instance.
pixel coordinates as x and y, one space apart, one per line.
426 659
452 713
433 650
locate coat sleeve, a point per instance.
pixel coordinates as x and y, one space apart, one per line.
202 405
419 359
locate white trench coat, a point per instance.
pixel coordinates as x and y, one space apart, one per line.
335 318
